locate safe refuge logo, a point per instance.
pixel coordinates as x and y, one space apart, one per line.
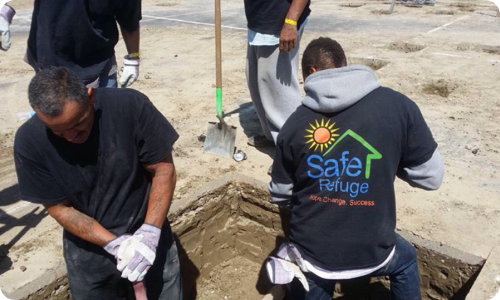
334 164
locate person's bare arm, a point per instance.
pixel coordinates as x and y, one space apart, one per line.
288 36
132 40
162 190
79 224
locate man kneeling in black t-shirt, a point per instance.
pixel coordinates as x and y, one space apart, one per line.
336 161
100 162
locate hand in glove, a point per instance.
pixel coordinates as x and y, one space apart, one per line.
137 254
130 70
281 271
6 15
112 246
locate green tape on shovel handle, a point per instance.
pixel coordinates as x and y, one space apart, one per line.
218 97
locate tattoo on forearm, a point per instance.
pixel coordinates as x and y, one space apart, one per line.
156 204
162 189
82 226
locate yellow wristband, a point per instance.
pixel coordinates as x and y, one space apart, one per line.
134 55
291 22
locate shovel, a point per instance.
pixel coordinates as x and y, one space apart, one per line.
220 136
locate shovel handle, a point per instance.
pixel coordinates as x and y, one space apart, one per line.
140 291
218 97
218 58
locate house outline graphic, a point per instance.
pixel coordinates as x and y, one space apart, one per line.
374 154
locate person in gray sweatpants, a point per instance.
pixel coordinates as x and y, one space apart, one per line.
274 32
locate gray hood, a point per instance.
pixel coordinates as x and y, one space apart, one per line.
333 90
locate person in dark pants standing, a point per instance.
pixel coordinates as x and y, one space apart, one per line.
274 32
100 162
81 35
336 160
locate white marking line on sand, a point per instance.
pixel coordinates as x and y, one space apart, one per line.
324 4
193 22
142 21
447 24
462 56
450 55
189 13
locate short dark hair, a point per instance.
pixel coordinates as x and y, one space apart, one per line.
53 87
323 53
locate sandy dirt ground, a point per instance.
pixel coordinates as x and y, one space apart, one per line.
231 280
446 58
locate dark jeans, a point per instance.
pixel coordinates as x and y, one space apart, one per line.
402 271
109 81
92 272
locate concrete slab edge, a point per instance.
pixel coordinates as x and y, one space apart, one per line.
487 284
460 255
179 205
43 280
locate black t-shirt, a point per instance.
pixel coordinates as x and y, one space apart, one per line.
343 166
104 178
79 34
268 16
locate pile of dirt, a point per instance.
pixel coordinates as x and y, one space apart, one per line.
352 5
442 12
468 47
465 7
380 12
374 63
439 87
491 49
58 290
233 279
406 47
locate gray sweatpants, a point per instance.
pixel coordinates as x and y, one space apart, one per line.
272 78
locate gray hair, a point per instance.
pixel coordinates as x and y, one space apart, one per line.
53 87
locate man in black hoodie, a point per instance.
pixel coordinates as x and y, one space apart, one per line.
336 161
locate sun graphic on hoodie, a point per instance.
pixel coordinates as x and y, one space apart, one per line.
322 135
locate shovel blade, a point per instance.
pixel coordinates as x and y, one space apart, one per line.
220 139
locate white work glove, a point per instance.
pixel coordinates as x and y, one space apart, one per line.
6 15
130 70
282 271
112 246
138 253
